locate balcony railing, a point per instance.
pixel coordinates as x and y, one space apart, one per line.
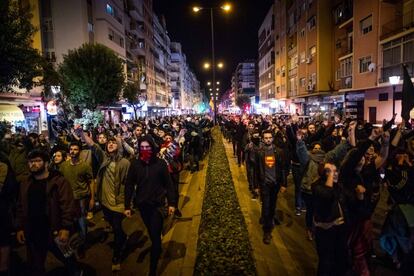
346 82
398 25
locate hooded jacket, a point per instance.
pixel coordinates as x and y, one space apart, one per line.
311 161
121 172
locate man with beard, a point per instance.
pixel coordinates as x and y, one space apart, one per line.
102 140
79 175
45 212
110 186
271 175
149 179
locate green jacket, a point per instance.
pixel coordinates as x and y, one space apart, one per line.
121 172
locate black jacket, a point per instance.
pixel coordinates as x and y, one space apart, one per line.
150 183
279 166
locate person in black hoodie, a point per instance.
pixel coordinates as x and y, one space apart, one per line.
329 221
149 177
358 195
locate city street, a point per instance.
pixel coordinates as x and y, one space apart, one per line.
290 253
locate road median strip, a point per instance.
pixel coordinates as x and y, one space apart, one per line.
223 241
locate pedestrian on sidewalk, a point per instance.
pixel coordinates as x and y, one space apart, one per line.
271 175
149 183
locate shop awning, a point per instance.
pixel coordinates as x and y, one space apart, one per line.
11 113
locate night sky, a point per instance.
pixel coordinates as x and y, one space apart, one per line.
235 33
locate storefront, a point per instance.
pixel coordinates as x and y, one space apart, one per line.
13 115
354 105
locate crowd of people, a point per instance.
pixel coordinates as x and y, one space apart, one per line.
50 189
338 167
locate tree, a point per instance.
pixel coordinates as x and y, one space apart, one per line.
20 63
134 97
242 101
92 75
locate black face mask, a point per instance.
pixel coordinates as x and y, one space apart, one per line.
256 140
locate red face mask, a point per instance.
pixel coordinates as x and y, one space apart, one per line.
145 155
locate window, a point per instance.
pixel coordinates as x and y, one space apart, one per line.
270 75
313 78
346 67
111 34
90 27
121 42
109 10
383 97
364 64
47 25
302 32
302 82
312 51
302 57
311 22
366 25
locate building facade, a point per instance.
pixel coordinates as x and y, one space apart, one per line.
337 61
266 60
244 79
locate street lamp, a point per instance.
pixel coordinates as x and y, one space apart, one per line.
208 83
206 65
226 8
394 80
220 65
218 83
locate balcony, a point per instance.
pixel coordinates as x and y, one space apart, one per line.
398 25
344 51
346 82
135 12
292 50
137 28
138 49
395 70
293 72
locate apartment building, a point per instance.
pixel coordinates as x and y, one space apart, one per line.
244 79
266 60
185 88
161 56
336 56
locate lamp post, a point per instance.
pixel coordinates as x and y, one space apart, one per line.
226 8
394 80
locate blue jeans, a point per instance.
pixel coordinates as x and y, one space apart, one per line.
297 172
269 198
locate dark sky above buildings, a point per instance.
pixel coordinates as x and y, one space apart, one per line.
235 33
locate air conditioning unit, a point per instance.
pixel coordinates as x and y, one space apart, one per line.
308 60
